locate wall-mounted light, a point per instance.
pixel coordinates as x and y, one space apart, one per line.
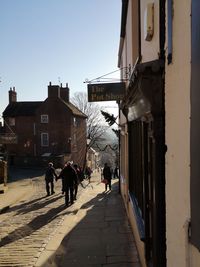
149 22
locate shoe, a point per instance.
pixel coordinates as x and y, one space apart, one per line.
53 193
47 195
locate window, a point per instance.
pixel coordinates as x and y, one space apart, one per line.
44 118
44 139
74 139
75 122
11 121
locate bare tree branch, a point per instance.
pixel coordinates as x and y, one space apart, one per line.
95 120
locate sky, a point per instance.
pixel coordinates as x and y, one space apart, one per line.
62 41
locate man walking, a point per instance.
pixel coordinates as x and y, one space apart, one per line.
69 180
49 178
107 175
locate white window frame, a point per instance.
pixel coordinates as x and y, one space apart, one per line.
44 118
75 121
44 142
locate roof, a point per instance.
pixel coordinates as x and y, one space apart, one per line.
28 108
74 109
21 109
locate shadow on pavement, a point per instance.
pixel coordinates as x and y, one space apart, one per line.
16 173
37 223
34 205
102 236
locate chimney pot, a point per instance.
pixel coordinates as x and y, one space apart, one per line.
12 95
53 91
64 94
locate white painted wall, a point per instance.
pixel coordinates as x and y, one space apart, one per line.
177 97
150 49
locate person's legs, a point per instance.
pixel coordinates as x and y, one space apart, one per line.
109 183
67 195
71 189
47 188
106 185
63 187
52 188
75 191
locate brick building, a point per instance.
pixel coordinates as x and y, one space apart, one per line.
53 129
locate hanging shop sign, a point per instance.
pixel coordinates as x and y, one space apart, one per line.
106 91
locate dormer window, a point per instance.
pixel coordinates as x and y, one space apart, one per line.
44 118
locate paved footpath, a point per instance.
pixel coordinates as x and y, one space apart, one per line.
41 231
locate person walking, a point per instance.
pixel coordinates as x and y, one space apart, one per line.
88 173
49 178
69 180
116 172
80 176
107 175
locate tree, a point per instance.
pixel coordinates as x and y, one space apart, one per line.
111 119
95 127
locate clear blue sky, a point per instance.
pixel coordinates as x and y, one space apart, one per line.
56 40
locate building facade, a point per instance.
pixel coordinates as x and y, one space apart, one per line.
142 122
51 129
182 133
159 116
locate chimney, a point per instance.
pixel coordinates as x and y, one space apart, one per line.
12 95
64 93
53 91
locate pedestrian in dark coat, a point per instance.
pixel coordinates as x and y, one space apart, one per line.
88 173
49 178
69 180
80 175
116 172
107 175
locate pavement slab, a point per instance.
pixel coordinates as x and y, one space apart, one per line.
100 235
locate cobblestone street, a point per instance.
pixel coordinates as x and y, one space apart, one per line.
27 226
